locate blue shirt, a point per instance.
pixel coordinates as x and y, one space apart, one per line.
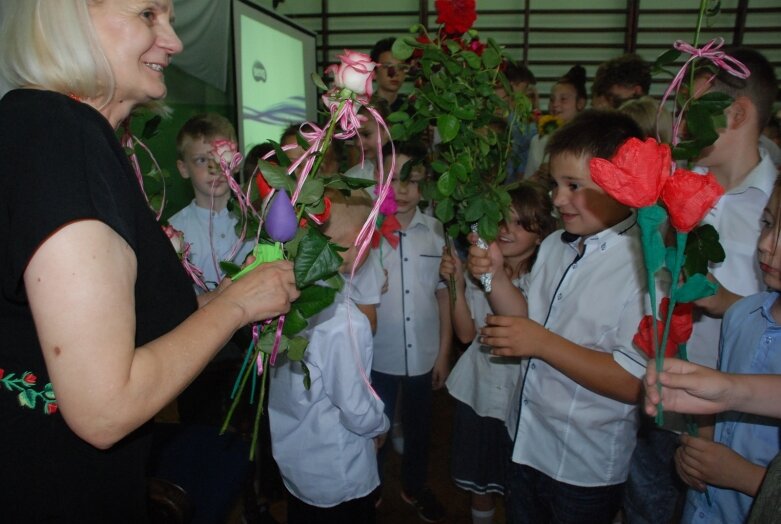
750 343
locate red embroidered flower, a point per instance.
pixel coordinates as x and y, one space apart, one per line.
688 197
636 174
2 372
457 15
51 408
680 329
29 378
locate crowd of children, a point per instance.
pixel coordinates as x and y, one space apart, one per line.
547 393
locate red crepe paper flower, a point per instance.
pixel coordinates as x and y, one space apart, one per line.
636 174
688 197
680 329
320 218
457 15
387 228
263 188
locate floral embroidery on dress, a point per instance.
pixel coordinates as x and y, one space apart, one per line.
28 397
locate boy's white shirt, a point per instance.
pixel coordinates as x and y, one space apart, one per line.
566 431
736 217
322 437
365 286
407 338
193 221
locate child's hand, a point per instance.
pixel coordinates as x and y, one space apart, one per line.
441 371
703 461
385 282
379 441
451 266
686 388
515 337
481 261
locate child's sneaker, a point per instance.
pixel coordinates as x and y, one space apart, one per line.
426 503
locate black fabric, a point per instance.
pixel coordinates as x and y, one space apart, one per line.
61 163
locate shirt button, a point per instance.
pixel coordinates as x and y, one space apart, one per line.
559 296
702 515
406 291
525 401
406 259
409 345
603 247
533 365
407 319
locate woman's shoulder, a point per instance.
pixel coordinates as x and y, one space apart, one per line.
39 111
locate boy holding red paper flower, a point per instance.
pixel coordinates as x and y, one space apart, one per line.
746 173
577 415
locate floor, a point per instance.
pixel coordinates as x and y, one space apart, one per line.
393 510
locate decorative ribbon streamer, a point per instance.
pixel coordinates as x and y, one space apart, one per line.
710 51
129 141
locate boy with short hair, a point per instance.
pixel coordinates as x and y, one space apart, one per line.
324 438
391 73
577 414
622 78
413 340
747 174
207 224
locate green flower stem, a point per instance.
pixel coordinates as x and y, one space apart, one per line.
698 28
328 136
680 247
451 284
237 397
646 236
259 412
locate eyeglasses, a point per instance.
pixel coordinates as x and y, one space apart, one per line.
392 69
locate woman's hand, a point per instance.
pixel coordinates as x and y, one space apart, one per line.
265 292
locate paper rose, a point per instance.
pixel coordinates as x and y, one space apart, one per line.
680 329
263 188
636 174
354 72
457 15
688 197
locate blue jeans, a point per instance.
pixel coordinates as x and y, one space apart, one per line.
416 422
534 498
653 490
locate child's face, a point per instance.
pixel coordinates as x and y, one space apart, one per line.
564 102
584 207
202 168
769 236
369 133
515 242
390 73
407 192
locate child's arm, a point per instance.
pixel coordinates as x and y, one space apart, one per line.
464 326
442 364
700 461
504 298
718 304
592 369
370 310
690 388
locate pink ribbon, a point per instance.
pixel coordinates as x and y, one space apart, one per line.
129 141
710 51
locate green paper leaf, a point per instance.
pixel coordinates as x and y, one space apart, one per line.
316 259
314 299
448 127
297 348
696 287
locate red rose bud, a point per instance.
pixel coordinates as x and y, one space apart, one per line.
636 174
688 197
29 378
263 188
281 222
51 408
320 218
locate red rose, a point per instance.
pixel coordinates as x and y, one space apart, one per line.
29 378
51 408
457 15
688 197
636 174
478 47
680 329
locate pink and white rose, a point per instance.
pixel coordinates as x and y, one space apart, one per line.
355 72
176 237
226 153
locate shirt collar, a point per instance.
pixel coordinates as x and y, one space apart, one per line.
757 177
605 237
204 213
417 220
766 306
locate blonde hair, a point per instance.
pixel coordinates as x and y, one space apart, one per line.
52 44
643 110
348 213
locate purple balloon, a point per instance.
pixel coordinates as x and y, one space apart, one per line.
281 223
